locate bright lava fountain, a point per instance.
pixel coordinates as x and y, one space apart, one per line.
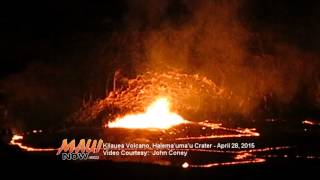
157 116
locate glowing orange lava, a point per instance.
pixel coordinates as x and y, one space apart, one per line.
310 122
185 165
16 138
255 160
157 115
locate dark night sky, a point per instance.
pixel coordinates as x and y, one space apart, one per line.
44 32
54 46
47 31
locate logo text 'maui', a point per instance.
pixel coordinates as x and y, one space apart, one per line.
84 146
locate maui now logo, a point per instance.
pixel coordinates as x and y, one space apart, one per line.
69 151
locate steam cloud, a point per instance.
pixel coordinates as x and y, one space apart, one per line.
216 38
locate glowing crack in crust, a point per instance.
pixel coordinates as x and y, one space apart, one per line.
16 138
237 133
